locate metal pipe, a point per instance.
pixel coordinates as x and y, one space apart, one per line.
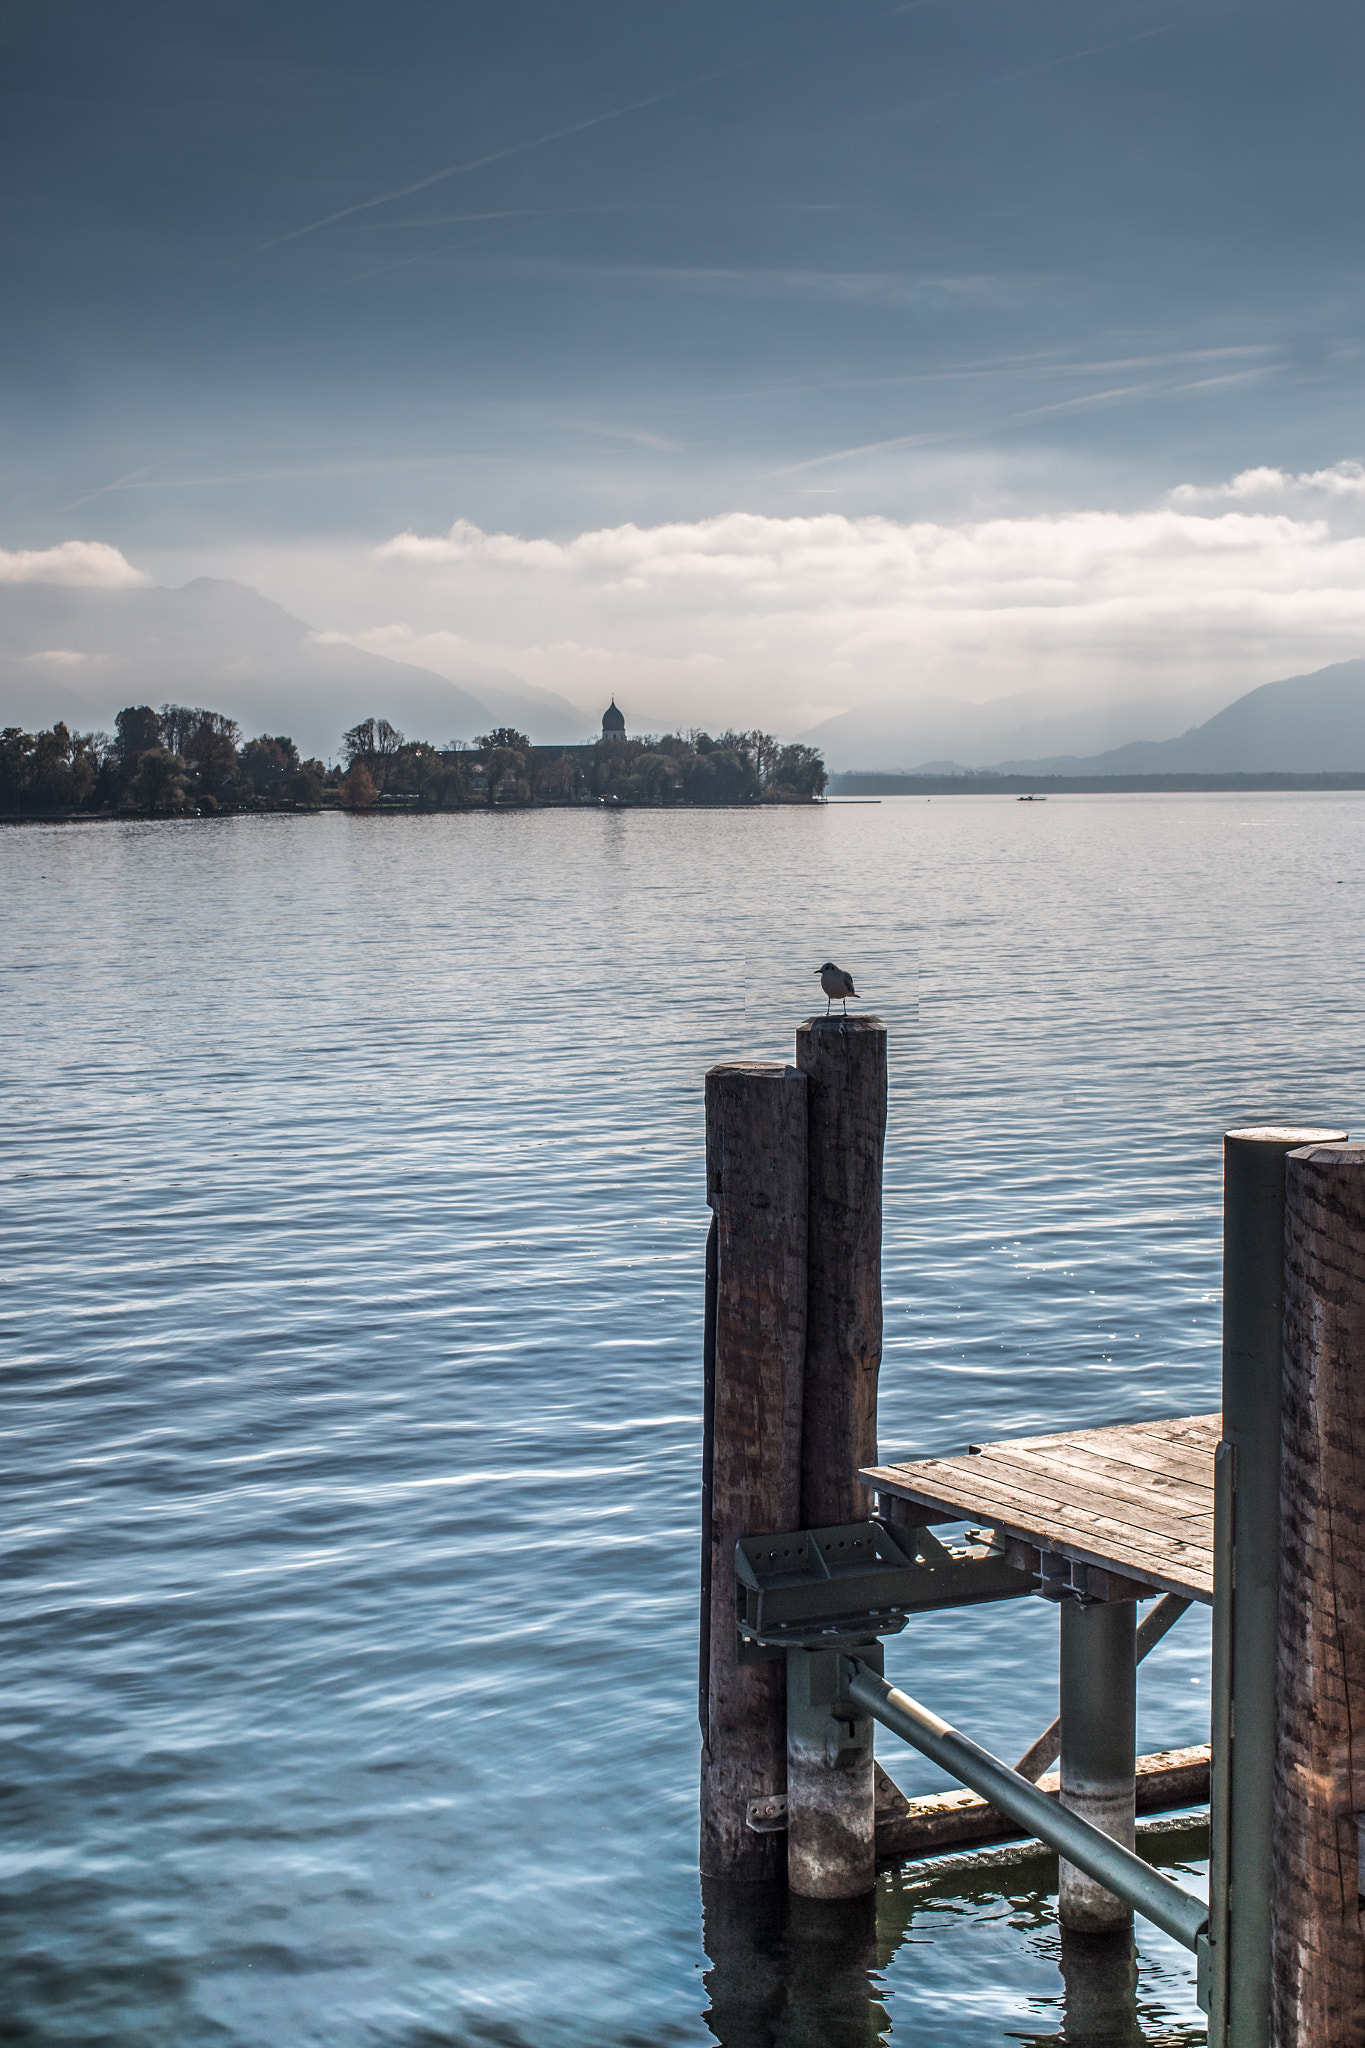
1175 1911
1099 1748
1157 1622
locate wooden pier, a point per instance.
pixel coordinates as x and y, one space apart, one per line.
814 1551
1131 1503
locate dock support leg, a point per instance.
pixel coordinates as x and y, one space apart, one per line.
1246 1581
845 1067
1318 1956
756 1184
831 1803
1099 1746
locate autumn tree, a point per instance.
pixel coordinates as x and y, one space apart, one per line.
356 791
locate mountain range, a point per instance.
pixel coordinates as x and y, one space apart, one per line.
1301 725
83 654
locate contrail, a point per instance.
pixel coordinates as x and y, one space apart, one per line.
498 156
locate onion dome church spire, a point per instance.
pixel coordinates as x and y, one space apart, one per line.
613 722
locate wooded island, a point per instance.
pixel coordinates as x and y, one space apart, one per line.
184 761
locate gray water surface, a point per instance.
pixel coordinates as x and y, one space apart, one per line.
352 1296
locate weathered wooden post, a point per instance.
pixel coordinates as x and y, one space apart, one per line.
1246 1579
756 1184
845 1064
1099 1747
831 1844
1318 1950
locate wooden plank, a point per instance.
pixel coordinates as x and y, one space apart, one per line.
1038 1506
1138 1461
1066 1481
1132 1447
1138 1452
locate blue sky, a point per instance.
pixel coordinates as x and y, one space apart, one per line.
284 283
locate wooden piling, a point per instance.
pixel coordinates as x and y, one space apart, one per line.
845 1063
1319 1770
1246 1577
756 1183
831 1834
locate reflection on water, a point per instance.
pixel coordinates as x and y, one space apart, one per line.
354 1232
788 1972
804 1973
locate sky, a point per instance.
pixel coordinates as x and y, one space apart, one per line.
747 359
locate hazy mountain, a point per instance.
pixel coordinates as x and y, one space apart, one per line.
1300 726
83 654
941 734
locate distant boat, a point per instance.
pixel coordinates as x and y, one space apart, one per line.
1031 799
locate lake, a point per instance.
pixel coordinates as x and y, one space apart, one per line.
353 1300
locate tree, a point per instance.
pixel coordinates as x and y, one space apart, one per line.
16 751
268 761
309 784
138 727
159 784
357 792
375 742
799 771
214 755
506 780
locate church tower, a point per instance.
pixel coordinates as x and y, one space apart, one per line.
613 723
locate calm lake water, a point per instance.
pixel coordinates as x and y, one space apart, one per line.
352 1309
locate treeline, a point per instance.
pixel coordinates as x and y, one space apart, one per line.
184 759
178 759
504 768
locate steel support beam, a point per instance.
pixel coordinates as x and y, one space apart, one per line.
1099 1748
1177 1912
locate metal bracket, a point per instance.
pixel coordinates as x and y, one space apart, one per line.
1066 1578
829 1589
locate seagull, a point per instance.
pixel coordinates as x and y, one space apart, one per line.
837 985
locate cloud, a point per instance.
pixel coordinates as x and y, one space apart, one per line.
1344 480
80 564
786 617
59 657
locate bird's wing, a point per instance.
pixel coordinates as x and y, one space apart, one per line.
848 984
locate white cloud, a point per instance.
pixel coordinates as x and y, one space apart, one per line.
83 564
1344 480
782 620
787 618
58 657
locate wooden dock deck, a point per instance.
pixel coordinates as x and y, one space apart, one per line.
1134 1500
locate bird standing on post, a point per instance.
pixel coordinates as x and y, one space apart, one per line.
837 985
